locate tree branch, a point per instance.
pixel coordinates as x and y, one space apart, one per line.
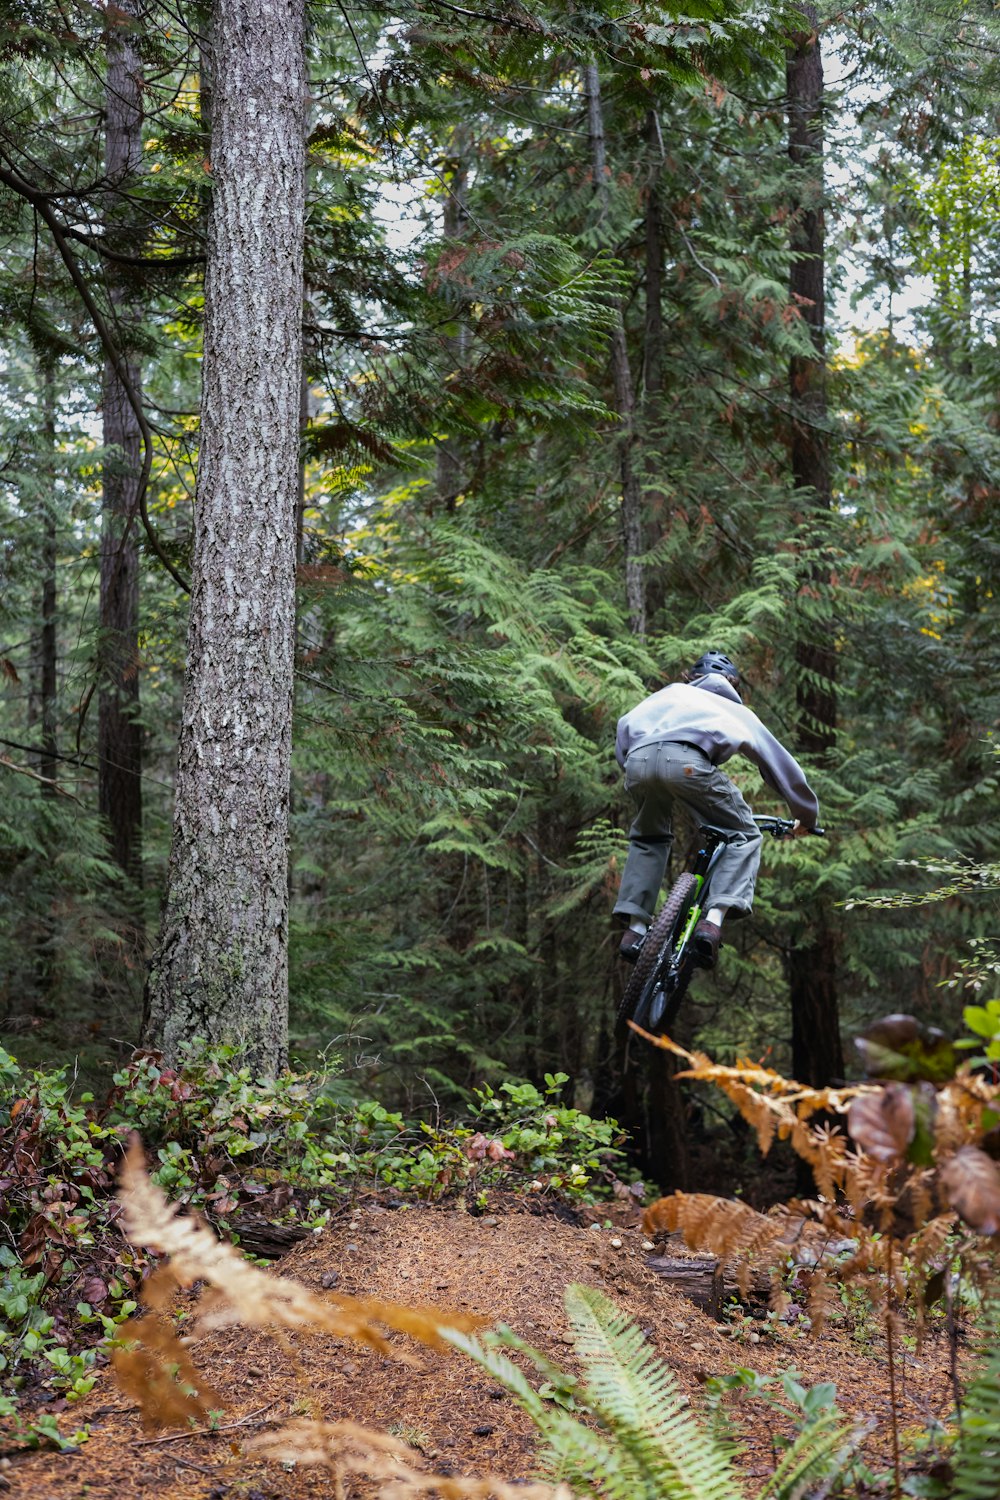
40 203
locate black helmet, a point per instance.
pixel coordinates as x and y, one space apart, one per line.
715 661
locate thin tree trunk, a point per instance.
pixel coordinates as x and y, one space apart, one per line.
653 360
817 1055
456 220
220 970
47 675
119 734
653 340
621 375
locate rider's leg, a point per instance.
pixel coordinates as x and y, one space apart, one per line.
650 836
719 804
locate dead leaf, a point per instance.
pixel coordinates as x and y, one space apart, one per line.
970 1182
882 1124
95 1291
158 1373
475 1146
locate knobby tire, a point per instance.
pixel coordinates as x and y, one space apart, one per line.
659 945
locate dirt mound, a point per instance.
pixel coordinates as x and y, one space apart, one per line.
511 1268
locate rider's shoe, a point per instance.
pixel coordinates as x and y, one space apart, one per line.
631 945
706 941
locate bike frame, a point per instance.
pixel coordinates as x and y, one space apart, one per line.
712 844
673 961
708 855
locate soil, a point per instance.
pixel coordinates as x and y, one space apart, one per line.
509 1265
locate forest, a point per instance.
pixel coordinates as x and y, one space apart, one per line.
392 398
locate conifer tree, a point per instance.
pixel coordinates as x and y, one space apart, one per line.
817 1054
119 734
220 969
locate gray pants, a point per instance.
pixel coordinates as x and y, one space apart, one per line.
660 775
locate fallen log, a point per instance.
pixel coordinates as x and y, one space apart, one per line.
698 1277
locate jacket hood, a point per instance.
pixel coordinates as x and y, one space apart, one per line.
716 683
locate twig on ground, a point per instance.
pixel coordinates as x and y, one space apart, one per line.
177 1437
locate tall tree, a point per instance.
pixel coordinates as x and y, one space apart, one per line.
621 374
119 733
48 643
817 1054
220 970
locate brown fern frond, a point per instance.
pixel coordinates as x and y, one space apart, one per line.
696 1059
159 1374
820 1296
252 1296
722 1226
778 1298
959 1118
347 1448
804 1100
864 1259
760 1111
927 1244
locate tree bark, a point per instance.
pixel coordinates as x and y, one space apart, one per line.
655 504
119 733
220 970
653 226
449 466
48 764
621 375
817 1054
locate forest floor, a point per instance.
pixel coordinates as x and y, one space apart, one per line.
508 1265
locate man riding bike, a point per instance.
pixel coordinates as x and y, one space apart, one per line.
671 746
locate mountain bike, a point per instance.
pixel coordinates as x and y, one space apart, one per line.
667 958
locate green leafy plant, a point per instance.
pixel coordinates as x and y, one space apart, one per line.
974 1471
984 1022
637 1437
288 1149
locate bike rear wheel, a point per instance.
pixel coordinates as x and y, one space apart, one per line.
653 994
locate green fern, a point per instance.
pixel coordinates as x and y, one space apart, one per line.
637 1437
977 1461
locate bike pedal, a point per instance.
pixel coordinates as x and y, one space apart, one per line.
630 951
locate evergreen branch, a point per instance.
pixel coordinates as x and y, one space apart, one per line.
11 765
43 207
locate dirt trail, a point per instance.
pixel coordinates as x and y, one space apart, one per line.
511 1267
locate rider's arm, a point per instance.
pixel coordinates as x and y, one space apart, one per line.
782 772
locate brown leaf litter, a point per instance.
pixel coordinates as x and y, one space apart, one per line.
509 1267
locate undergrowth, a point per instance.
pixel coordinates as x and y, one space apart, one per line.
617 1427
906 1210
294 1151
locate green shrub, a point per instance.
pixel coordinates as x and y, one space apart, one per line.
222 1141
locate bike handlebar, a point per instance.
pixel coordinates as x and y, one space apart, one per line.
780 828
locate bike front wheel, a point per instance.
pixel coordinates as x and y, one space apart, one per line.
655 990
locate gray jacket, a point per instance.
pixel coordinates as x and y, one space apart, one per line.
710 715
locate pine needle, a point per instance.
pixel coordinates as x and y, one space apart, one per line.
347 1448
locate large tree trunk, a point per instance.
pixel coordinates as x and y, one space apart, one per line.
220 970
119 735
621 374
817 1055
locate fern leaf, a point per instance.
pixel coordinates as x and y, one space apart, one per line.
574 1452
635 1395
978 1460
819 1450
